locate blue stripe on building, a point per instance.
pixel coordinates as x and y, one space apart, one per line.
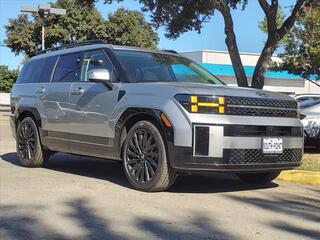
227 70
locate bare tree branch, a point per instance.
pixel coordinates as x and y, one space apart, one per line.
264 5
288 23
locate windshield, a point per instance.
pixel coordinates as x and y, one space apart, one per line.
160 67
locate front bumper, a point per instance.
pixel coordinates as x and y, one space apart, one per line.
226 148
185 161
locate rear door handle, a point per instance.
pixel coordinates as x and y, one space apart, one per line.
78 91
41 90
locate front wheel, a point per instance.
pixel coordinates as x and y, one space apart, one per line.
259 177
145 159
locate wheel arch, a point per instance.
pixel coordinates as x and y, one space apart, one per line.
133 115
32 112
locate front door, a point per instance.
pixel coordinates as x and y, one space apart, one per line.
92 105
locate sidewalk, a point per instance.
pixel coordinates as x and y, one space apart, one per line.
4 108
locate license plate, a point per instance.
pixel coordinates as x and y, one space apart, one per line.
272 145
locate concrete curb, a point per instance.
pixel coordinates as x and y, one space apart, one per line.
299 176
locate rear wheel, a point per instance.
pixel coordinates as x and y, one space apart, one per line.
259 177
29 148
145 159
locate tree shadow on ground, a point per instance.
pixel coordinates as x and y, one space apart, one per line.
297 230
293 206
23 226
112 171
200 227
17 224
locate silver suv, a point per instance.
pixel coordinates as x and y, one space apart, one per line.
158 112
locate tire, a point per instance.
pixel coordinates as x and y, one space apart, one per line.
259 177
145 159
30 151
318 144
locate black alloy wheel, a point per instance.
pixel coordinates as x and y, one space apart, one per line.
142 156
145 158
26 142
30 151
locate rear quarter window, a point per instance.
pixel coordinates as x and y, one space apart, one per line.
31 71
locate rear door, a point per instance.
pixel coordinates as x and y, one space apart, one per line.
26 88
25 95
55 100
90 118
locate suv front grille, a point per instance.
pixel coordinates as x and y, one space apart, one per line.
261 102
255 156
261 107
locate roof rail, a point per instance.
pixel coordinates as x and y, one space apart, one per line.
170 51
71 45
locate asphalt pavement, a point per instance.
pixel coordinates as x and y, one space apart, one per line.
87 198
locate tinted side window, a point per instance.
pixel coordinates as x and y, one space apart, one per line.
31 71
68 68
303 99
47 69
96 60
309 103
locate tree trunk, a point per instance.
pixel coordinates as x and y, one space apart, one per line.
231 43
262 64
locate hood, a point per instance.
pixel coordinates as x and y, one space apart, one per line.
173 88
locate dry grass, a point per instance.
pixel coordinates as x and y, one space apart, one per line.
311 162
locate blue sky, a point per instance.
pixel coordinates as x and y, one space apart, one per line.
249 37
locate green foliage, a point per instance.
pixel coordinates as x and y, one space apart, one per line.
179 16
7 78
20 35
131 29
82 22
301 54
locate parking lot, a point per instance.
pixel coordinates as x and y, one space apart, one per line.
86 198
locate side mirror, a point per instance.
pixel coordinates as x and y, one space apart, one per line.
100 75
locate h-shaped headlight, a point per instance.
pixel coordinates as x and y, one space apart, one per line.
202 103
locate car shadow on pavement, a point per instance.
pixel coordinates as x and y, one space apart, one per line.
305 208
112 171
16 223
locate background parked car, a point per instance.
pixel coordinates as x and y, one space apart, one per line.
310 117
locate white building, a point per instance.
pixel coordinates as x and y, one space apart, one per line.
219 64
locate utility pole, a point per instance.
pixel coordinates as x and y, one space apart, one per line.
43 10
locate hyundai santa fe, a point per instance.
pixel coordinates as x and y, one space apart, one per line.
159 113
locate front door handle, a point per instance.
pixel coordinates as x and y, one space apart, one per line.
78 91
41 90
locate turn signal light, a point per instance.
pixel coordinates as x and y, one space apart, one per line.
166 120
